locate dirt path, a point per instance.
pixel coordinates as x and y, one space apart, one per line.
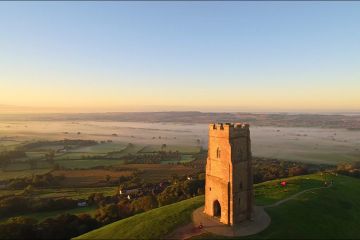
294 196
185 232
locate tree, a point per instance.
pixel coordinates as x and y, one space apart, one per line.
29 190
18 228
22 220
107 178
108 213
144 203
33 163
296 171
163 147
50 156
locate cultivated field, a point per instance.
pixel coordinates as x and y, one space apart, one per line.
90 177
74 193
20 174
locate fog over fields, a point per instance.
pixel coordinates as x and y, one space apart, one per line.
308 144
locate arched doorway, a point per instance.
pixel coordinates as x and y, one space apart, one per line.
217 209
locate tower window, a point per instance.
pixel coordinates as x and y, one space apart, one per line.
218 153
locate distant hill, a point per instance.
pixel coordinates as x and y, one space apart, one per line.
330 213
257 119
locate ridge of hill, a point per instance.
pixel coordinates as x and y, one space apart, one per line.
331 120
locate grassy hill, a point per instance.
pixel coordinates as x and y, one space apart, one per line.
153 224
332 213
323 213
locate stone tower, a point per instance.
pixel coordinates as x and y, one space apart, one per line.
229 178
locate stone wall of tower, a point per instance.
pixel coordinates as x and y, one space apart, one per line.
229 172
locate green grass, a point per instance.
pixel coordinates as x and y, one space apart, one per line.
74 193
271 191
47 148
129 149
4 192
102 148
153 224
325 213
88 163
17 166
8 145
181 148
184 158
78 155
36 155
4 175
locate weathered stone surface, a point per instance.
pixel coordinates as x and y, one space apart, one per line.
229 178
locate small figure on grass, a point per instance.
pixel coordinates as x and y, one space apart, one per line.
200 226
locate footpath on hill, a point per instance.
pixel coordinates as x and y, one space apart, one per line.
189 230
294 196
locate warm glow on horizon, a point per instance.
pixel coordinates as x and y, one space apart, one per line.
180 56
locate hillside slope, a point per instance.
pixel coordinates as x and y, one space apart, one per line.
331 213
152 224
322 213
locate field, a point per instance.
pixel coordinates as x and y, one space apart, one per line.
70 192
330 213
79 155
110 150
90 177
101 148
184 159
154 173
90 163
21 174
183 149
74 193
7 145
4 192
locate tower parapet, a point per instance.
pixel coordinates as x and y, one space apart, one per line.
229 130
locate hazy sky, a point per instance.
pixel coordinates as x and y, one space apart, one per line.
208 56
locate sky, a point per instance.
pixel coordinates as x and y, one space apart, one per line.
176 56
